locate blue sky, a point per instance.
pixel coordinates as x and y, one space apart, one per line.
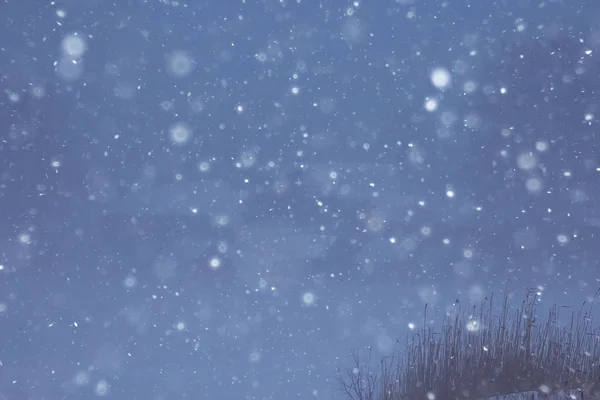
223 201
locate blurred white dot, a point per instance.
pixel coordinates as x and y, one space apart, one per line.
533 185
25 238
247 159
68 68
469 87
527 161
101 388
473 325
472 121
541 146
73 46
81 378
431 104
180 64
38 91
204 166
545 389
222 247
130 281
221 220
440 78
255 356
563 239
308 298
215 263
180 133
167 105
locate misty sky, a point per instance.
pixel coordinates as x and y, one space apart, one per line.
222 200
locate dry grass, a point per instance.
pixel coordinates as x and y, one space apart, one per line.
477 355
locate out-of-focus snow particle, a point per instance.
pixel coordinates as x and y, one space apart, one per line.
520 25
563 239
476 293
223 247
73 46
527 161
473 325
180 133
180 64
221 220
167 105
533 185
25 238
353 31
247 159
3 307
385 344
541 146
204 166
426 231
440 78
309 298
255 356
101 388
38 91
81 378
215 263
130 282
469 87
69 69
472 121
431 105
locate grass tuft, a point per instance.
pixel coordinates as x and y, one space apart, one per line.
478 355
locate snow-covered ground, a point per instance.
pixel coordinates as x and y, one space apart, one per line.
534 395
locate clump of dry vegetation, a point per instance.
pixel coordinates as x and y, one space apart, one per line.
478 355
